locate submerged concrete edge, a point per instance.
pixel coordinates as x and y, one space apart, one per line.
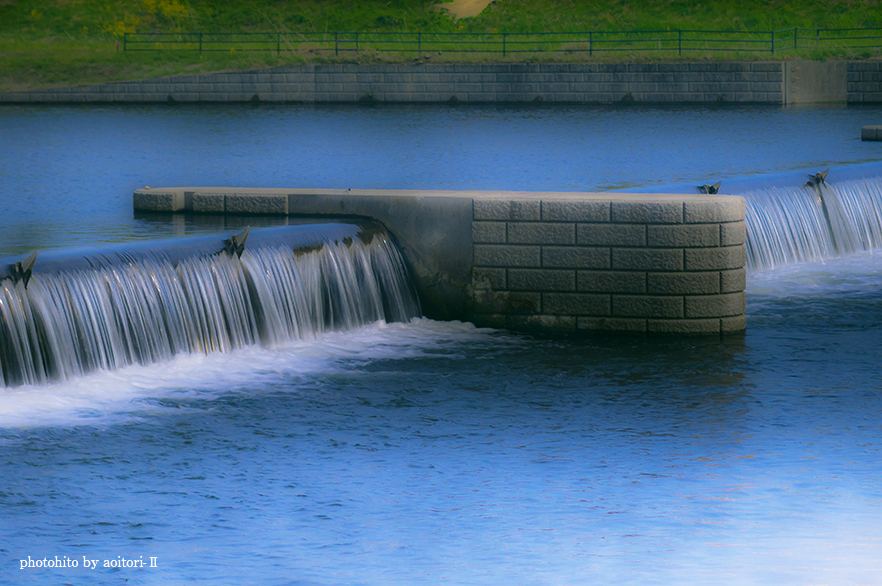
537 261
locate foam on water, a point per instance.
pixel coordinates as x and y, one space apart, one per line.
110 397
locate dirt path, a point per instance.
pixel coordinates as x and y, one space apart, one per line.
464 8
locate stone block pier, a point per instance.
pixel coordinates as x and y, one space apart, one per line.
537 261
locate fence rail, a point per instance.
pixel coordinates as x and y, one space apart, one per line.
590 42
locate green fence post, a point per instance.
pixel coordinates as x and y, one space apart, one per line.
795 36
200 42
336 46
679 42
590 43
125 38
773 42
503 44
278 43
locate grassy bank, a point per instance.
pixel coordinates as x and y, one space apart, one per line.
68 42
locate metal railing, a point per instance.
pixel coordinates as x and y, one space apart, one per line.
590 42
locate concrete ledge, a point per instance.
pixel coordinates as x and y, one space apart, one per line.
553 262
871 133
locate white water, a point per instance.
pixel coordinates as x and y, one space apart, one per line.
802 224
148 310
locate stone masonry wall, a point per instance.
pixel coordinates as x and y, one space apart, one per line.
761 82
864 82
640 264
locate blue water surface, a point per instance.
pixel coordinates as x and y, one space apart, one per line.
69 171
437 453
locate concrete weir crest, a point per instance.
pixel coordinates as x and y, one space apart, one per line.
537 261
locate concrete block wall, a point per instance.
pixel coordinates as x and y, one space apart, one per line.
658 264
549 262
864 82
759 82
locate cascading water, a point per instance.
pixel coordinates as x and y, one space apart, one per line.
812 223
791 220
109 309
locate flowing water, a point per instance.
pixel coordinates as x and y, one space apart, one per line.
379 449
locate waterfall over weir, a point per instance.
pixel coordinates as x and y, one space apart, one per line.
808 223
105 309
790 222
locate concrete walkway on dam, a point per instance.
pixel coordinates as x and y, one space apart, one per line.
772 82
536 261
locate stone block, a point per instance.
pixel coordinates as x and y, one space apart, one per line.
488 232
507 209
256 204
575 304
506 302
554 68
733 281
683 236
611 282
728 208
611 235
733 233
159 200
573 257
541 233
724 305
453 77
737 323
637 259
871 133
715 259
208 202
683 283
496 255
771 67
646 212
481 97
704 86
541 280
765 87
647 306
658 78
496 88
584 88
610 324
683 326
441 88
673 67
673 87
575 211
487 278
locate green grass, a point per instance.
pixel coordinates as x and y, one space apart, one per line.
62 42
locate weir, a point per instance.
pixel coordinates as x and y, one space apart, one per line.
93 309
536 261
793 217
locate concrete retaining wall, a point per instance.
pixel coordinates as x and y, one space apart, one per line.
497 82
554 262
780 82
